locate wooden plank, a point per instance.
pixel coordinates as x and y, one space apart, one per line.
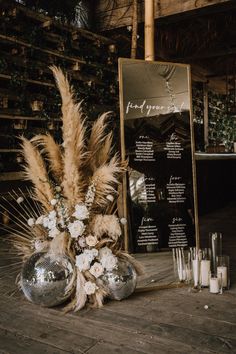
221 327
108 348
163 7
124 320
201 73
42 330
177 302
19 62
158 269
41 18
51 52
194 332
35 118
11 343
176 318
80 326
120 15
36 82
107 5
212 156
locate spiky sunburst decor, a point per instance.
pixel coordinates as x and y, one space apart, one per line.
74 196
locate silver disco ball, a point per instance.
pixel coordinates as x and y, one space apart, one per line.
47 280
120 282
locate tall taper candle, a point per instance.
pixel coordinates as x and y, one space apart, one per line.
195 263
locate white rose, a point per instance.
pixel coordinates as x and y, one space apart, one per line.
81 212
76 228
31 222
91 254
109 262
96 270
53 202
90 288
82 242
91 240
20 200
82 262
58 189
104 252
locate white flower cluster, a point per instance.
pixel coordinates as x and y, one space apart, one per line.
77 227
50 222
83 261
96 262
92 260
58 219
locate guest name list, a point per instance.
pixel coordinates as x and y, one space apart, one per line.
162 192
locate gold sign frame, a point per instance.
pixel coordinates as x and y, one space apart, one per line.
121 63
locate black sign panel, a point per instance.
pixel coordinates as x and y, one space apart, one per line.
156 126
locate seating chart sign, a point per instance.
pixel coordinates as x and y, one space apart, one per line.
157 140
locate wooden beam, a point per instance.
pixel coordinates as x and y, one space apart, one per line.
13 8
208 54
149 30
112 14
28 45
203 74
134 30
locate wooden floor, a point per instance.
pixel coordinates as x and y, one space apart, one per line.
163 321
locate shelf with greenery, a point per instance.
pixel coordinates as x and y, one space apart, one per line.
29 103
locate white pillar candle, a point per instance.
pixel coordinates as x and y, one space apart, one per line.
222 272
180 265
195 272
214 285
204 272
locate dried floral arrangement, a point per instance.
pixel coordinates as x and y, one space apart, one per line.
73 223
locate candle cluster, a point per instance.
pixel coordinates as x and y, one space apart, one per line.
205 268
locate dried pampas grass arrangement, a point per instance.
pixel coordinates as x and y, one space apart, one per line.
75 189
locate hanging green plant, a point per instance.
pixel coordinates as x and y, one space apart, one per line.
222 130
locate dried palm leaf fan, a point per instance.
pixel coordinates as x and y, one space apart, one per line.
69 239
